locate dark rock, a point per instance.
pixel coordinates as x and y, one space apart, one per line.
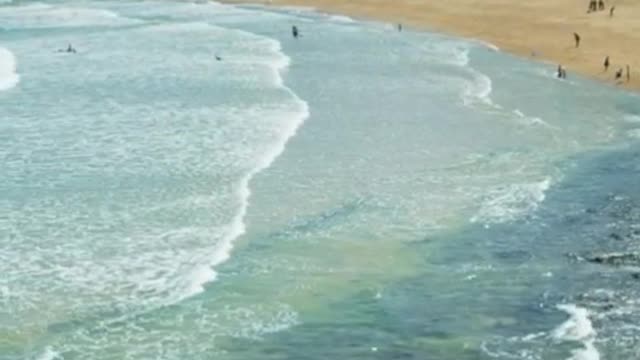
615 259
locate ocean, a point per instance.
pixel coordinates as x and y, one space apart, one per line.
192 182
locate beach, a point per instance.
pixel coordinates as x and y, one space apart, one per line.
541 29
213 187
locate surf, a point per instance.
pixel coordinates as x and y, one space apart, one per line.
8 75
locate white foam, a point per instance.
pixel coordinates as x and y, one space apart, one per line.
477 91
341 19
8 76
511 202
45 16
632 118
577 328
204 272
531 120
48 354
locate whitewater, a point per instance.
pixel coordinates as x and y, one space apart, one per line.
195 183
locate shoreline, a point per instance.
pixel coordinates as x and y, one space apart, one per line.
540 32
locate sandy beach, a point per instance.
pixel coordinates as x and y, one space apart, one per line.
540 29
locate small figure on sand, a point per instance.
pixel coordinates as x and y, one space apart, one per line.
619 74
606 64
576 37
601 5
294 31
628 73
613 8
593 4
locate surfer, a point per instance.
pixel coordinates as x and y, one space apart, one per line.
70 49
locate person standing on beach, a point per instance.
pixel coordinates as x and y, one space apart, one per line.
601 5
576 37
613 8
294 31
592 6
619 74
606 64
628 73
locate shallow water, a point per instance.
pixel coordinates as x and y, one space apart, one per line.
354 193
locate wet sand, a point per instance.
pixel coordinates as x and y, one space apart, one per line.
540 29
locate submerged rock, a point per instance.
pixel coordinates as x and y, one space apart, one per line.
616 259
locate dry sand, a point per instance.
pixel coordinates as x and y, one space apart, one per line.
523 27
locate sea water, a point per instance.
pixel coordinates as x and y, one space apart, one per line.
356 193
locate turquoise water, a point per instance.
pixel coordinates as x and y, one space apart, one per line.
357 193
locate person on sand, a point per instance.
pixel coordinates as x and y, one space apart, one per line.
562 74
619 74
606 64
294 31
601 5
628 73
592 6
576 37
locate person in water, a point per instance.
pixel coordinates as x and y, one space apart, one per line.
294 31
70 49
562 73
399 27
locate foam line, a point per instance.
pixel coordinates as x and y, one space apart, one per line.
8 76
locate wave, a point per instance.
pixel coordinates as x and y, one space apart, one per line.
8 76
49 16
478 90
509 203
577 328
204 273
48 354
341 19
